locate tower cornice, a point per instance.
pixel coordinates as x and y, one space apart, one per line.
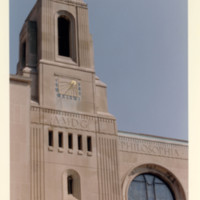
72 2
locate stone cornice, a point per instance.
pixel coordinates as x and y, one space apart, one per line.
20 79
72 2
65 65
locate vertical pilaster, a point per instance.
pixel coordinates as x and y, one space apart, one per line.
47 30
109 188
37 164
84 38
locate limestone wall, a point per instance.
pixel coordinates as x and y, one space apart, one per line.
163 157
19 138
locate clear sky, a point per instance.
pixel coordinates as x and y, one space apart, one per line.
140 49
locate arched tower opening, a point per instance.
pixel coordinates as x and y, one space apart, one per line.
66 35
63 36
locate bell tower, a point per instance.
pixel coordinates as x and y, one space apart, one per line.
56 33
73 137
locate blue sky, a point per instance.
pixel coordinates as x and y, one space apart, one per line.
140 49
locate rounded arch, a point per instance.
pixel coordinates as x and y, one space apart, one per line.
66 14
161 172
72 191
65 36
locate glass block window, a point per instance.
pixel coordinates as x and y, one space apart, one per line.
149 187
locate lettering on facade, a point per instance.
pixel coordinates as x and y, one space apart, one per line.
69 122
149 147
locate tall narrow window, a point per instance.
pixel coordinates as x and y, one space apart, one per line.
60 139
50 138
63 36
80 142
24 54
70 141
70 184
89 143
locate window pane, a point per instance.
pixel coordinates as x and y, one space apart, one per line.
149 187
149 178
137 191
150 192
139 178
158 181
163 192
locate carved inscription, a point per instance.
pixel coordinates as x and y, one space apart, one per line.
154 168
152 147
69 122
63 119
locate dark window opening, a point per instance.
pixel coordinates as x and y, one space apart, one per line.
89 143
70 141
32 43
24 54
51 138
60 139
63 37
80 142
70 184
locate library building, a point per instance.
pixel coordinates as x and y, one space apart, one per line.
64 144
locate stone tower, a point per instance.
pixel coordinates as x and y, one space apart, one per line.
72 138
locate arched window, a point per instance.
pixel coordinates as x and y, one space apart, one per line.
64 36
70 184
149 187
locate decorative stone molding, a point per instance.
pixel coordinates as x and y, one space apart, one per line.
37 164
72 2
157 170
78 121
108 168
155 148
